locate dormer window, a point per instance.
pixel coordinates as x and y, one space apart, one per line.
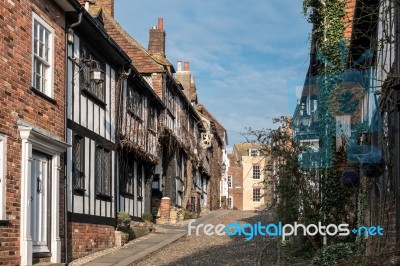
254 152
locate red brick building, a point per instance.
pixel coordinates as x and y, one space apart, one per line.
235 183
32 131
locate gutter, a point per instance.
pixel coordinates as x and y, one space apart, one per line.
80 8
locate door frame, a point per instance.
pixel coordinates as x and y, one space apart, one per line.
46 188
37 139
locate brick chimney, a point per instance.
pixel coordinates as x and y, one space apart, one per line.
157 39
108 5
186 66
184 77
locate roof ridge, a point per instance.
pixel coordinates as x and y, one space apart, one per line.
132 41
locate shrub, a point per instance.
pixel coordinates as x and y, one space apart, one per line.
147 217
187 215
123 221
333 254
223 199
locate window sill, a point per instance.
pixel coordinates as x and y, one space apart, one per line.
79 191
104 197
4 222
94 98
171 114
134 115
127 195
153 131
43 95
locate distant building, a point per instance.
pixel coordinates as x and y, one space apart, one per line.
249 184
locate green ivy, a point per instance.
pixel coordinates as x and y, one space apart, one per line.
334 254
329 51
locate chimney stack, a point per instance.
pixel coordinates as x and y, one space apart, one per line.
108 5
179 66
157 39
186 66
160 23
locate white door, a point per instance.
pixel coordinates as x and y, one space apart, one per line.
39 199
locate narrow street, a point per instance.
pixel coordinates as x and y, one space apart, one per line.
219 250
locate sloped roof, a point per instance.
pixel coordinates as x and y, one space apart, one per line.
242 149
144 61
219 128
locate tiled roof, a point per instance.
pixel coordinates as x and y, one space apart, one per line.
144 61
242 149
141 58
220 129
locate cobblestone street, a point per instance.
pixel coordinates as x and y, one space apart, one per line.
218 250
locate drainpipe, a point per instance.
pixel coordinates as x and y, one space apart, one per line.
69 34
397 139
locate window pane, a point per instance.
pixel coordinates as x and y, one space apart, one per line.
41 49
41 33
37 82
46 38
77 165
139 180
35 46
256 172
107 174
129 181
98 171
46 54
35 29
256 194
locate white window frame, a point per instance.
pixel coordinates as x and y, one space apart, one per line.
259 172
48 87
229 181
259 196
257 152
3 171
230 202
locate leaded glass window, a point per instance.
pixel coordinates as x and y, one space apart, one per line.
78 163
103 171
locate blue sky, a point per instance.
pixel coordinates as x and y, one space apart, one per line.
247 56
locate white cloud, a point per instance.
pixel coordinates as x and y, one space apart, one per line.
242 53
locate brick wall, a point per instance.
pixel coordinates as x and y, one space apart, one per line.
213 192
236 192
385 216
84 239
18 101
348 18
157 80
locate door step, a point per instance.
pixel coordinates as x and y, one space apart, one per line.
49 264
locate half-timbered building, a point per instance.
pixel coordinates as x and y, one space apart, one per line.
179 121
95 69
140 121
